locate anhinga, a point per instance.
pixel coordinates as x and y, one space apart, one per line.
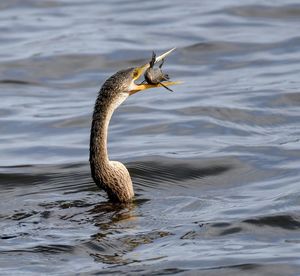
112 176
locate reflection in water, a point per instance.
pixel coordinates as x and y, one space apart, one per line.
118 233
111 219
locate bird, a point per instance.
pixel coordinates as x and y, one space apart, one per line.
112 176
155 75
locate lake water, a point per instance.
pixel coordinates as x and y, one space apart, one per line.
215 165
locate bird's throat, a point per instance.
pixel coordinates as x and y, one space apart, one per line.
103 111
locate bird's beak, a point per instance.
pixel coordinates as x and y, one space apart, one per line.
139 71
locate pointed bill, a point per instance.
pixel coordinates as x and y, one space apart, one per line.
144 86
157 59
141 70
162 56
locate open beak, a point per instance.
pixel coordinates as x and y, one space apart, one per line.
141 70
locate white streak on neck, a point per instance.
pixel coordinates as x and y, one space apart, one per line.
121 98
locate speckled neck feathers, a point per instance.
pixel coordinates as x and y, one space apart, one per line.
111 176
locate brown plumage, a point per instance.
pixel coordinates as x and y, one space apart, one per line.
112 176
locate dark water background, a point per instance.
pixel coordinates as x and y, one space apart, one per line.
215 164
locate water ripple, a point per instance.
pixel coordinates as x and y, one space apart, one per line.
215 165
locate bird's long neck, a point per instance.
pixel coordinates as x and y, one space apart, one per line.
103 111
98 140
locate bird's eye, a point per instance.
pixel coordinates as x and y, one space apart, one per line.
135 74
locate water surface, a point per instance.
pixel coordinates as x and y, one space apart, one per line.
215 165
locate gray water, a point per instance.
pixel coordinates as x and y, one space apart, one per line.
215 165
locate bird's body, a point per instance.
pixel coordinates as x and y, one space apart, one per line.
112 176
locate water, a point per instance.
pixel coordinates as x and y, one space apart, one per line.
215 164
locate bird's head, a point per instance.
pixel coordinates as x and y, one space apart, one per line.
126 82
